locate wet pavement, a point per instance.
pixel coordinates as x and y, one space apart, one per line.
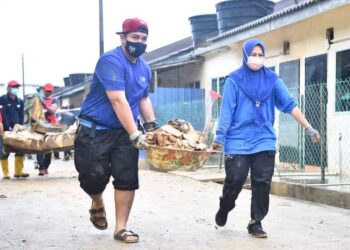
170 212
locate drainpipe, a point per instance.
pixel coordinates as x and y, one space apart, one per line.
155 79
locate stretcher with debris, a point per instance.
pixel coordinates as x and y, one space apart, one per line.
29 141
177 146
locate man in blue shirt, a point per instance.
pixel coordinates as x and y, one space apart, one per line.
108 141
245 131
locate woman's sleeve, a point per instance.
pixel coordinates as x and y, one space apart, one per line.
283 100
228 106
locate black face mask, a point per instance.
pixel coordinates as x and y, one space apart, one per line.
135 49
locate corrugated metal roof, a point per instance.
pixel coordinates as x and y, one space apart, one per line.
280 5
177 46
264 19
71 90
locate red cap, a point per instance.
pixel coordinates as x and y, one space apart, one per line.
134 25
48 87
13 84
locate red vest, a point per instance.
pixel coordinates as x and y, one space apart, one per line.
51 117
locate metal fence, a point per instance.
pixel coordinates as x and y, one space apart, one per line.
330 115
183 103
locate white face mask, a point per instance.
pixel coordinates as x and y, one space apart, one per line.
14 91
255 63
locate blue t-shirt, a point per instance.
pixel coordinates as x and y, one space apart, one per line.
237 129
114 72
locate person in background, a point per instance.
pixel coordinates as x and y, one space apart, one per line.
245 131
12 109
30 101
56 155
107 142
49 107
5 174
67 118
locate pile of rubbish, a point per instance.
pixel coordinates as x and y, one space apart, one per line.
177 134
177 146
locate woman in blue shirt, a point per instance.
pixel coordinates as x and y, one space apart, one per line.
246 133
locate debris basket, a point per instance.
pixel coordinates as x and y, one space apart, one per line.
169 159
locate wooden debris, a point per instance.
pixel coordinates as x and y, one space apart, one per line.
22 139
182 136
171 130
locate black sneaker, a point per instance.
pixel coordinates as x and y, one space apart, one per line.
256 230
221 218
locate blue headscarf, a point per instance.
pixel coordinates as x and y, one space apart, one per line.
256 85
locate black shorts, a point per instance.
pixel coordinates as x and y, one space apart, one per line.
102 153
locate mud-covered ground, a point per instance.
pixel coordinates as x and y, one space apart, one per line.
170 212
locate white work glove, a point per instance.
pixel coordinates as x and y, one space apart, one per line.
313 134
138 140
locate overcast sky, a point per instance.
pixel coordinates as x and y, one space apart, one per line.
60 37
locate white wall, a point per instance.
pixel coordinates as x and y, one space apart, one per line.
307 38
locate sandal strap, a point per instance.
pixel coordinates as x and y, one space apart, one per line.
124 233
98 219
128 233
97 210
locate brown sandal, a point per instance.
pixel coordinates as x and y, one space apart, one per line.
97 219
126 236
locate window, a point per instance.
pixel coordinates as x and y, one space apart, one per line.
342 84
316 97
194 85
288 142
316 70
217 84
289 72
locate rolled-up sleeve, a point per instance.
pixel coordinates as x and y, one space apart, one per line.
283 100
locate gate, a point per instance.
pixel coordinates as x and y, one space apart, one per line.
295 150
